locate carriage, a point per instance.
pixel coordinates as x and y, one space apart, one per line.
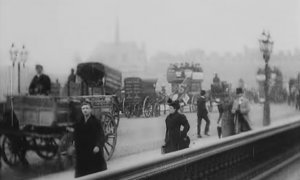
218 91
186 83
42 123
140 97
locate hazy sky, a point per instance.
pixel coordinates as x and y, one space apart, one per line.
55 30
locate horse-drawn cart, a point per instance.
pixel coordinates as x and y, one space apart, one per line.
140 97
42 123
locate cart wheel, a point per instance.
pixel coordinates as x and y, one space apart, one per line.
46 148
137 110
66 145
66 150
147 107
110 131
156 109
11 150
116 114
127 110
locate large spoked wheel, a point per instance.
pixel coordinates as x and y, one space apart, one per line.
137 110
116 114
147 107
66 150
110 131
12 150
128 110
46 148
156 109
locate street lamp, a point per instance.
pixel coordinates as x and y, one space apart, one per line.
23 55
266 47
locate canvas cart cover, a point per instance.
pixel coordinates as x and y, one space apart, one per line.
97 74
91 73
149 86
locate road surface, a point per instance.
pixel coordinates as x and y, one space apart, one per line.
141 135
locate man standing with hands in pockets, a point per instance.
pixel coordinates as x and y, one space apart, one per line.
202 113
89 140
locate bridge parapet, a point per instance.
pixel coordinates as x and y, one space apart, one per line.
245 156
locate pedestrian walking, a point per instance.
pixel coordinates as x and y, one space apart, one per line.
226 120
202 113
241 109
89 141
175 139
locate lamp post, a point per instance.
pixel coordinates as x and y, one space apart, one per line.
266 47
19 57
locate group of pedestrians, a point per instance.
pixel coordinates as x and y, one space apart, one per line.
233 115
233 119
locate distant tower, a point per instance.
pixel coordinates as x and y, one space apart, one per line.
117 32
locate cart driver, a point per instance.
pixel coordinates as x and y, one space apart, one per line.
216 79
41 83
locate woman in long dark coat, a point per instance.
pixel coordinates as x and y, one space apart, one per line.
89 141
226 120
174 137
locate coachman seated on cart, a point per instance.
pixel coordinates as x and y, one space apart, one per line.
41 83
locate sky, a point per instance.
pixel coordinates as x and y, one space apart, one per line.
55 31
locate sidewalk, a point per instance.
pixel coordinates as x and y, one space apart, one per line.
120 163
146 156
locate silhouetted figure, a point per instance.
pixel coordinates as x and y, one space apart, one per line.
71 79
216 79
226 120
72 76
41 83
175 139
202 113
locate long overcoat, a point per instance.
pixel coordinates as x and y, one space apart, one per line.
243 108
227 117
87 135
173 137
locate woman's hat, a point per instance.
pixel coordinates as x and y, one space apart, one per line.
175 104
239 91
202 93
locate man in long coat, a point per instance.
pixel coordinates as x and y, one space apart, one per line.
89 141
41 83
241 109
202 113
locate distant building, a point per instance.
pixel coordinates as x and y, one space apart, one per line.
128 57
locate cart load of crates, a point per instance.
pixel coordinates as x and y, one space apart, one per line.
140 97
